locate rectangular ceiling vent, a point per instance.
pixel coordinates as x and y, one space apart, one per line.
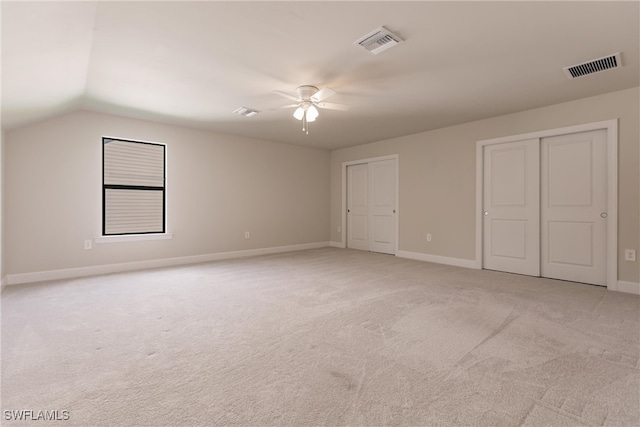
245 112
593 66
378 41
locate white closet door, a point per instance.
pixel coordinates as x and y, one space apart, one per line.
512 207
574 204
382 179
358 206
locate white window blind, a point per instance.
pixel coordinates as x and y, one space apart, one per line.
133 187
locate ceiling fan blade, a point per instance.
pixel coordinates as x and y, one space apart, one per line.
284 106
286 95
332 106
322 94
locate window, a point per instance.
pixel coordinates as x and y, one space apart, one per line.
133 187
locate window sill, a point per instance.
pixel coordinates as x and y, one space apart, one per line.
133 238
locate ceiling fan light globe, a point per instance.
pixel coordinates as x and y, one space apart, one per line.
312 113
299 113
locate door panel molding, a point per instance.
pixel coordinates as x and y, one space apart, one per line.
611 126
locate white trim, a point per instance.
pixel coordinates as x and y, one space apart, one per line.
68 273
132 238
612 204
628 287
605 124
3 283
129 139
343 223
336 245
458 262
479 202
611 126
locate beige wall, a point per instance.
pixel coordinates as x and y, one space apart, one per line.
218 187
437 175
2 181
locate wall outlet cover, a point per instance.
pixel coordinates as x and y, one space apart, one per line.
629 254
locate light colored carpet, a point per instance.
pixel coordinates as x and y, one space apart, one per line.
321 337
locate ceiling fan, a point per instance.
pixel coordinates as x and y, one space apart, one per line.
309 99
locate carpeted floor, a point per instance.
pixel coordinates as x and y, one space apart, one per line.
320 337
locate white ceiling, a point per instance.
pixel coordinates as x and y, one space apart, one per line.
193 63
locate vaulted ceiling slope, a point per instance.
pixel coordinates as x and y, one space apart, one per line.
193 63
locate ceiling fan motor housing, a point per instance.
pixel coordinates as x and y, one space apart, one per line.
306 92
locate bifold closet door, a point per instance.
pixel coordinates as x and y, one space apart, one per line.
371 206
574 207
511 221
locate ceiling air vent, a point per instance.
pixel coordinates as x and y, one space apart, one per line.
593 66
378 41
245 112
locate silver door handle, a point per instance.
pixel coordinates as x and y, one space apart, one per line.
486 213
603 214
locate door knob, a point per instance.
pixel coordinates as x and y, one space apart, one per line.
603 214
486 213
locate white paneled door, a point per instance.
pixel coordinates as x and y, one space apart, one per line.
358 206
383 206
574 207
511 207
371 206
545 207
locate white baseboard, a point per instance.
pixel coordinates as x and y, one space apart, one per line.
458 262
3 283
336 245
628 287
68 273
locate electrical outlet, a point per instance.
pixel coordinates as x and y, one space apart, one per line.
88 244
629 254
247 235
428 237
